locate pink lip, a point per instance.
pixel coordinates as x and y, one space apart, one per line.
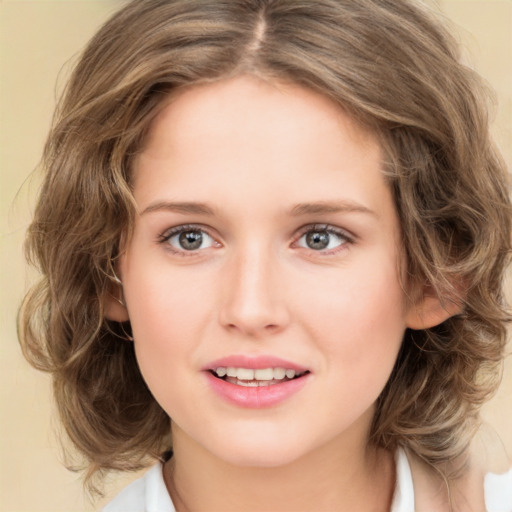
255 397
254 362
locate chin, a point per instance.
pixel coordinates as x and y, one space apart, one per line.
259 457
263 450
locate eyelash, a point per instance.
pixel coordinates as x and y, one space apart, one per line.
178 230
347 238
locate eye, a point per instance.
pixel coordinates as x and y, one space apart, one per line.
186 238
323 238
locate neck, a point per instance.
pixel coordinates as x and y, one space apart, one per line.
338 476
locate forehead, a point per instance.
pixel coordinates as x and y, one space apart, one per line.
201 107
246 128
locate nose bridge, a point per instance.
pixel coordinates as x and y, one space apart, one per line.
253 299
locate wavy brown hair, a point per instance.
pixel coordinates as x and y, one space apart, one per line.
390 65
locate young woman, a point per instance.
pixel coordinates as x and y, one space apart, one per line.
273 236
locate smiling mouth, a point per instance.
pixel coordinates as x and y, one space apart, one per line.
249 377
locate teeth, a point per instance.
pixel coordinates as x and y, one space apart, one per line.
244 374
261 374
248 384
279 373
264 374
221 372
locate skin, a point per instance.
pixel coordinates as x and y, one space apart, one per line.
255 153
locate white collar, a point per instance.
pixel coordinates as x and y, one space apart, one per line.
403 497
149 493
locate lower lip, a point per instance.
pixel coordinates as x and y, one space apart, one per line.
256 397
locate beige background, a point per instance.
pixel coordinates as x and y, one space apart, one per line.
39 41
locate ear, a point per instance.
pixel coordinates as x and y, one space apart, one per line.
429 310
113 304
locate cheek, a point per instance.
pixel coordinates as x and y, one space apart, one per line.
167 311
163 298
359 317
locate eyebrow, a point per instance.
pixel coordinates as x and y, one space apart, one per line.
317 208
180 207
323 207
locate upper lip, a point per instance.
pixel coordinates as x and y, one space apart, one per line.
254 362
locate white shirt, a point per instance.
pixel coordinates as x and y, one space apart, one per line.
149 493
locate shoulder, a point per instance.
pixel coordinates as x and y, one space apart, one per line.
146 494
483 485
489 470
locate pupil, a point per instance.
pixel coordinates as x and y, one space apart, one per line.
317 240
191 240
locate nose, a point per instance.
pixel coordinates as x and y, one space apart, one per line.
253 294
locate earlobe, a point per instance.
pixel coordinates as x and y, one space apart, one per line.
430 311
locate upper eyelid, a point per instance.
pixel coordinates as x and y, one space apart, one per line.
169 232
329 228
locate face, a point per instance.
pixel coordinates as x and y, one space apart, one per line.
262 280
